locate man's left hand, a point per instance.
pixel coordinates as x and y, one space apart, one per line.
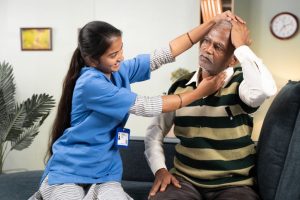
239 34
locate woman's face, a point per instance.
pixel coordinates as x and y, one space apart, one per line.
110 61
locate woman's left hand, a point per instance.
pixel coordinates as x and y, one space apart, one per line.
229 16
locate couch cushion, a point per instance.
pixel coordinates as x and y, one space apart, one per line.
278 150
137 176
135 166
138 190
19 186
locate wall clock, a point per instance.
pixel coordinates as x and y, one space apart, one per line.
284 25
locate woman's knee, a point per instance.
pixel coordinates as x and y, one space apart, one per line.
111 191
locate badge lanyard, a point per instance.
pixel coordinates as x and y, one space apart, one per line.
122 137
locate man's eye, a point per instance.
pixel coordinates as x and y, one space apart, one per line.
219 48
205 41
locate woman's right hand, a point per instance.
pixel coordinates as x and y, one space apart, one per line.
211 84
206 87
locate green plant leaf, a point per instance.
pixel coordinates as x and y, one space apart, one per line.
180 72
15 124
7 97
25 138
7 88
19 123
36 107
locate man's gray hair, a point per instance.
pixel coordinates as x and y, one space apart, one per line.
223 24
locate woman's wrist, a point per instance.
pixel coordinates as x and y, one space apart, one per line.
189 97
180 99
190 39
199 93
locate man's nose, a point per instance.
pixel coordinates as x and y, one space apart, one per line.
210 49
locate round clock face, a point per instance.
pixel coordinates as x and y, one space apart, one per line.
284 25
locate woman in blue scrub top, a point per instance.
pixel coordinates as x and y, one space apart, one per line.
84 161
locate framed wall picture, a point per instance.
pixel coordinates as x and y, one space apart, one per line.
36 39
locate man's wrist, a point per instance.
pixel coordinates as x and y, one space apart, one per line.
160 170
157 166
239 45
242 52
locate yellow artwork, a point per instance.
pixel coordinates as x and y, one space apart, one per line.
36 39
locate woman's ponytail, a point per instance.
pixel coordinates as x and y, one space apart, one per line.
63 115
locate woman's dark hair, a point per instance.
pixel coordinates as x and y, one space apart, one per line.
93 41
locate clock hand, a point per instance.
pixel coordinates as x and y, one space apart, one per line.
285 25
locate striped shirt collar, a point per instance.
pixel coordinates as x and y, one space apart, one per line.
229 73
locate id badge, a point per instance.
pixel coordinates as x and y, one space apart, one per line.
122 137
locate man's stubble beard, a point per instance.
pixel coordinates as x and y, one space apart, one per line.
210 72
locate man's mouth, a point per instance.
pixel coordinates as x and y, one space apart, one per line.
205 59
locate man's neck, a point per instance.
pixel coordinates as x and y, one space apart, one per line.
205 74
202 74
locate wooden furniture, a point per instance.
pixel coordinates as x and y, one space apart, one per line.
210 8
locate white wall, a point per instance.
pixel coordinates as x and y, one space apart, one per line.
145 25
281 56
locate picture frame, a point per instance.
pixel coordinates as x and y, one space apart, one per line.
36 39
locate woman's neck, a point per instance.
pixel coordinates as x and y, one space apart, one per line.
107 75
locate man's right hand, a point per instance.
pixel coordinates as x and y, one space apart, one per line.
162 179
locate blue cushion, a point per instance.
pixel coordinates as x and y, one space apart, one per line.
19 186
138 190
135 167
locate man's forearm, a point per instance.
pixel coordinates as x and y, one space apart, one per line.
258 83
155 134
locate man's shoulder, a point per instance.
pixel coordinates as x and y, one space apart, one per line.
182 81
237 75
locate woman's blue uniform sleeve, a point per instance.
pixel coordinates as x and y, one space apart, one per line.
138 68
103 97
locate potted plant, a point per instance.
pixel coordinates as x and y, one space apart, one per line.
19 123
175 75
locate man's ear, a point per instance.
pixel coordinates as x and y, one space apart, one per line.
233 61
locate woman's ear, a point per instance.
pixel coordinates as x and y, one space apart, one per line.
91 62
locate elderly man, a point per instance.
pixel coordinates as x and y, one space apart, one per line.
215 156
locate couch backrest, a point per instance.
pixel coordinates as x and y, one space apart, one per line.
135 166
278 149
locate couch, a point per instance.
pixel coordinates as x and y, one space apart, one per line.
278 148
137 176
278 157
